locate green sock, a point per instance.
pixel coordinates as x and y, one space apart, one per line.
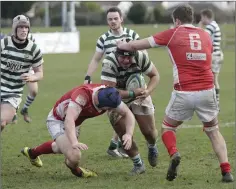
113 145
120 144
137 160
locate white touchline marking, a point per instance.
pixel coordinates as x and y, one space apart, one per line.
229 124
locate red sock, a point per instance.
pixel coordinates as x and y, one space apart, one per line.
225 167
45 148
77 171
169 139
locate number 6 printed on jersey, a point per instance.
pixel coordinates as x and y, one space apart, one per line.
195 42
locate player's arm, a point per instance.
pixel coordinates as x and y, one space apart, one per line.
129 122
78 100
134 45
37 65
137 37
72 114
93 65
38 74
157 40
149 69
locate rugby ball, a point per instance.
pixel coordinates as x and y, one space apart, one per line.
135 81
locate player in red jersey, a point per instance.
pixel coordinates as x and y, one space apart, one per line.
69 112
190 50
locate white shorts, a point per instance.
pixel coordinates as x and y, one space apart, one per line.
31 71
217 61
14 101
56 127
142 107
183 104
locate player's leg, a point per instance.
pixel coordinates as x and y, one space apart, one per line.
33 91
144 116
119 126
179 109
7 114
207 110
113 149
220 148
55 129
8 109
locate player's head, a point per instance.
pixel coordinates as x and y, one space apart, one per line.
183 15
108 98
124 57
207 16
20 27
114 18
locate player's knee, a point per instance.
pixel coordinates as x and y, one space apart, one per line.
73 155
211 127
55 148
166 126
33 93
211 130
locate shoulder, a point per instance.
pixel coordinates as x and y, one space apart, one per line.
103 37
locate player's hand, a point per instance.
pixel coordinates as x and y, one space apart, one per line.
144 94
138 91
80 146
122 45
27 77
127 141
87 80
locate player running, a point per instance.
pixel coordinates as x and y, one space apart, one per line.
117 67
18 55
190 49
106 44
66 117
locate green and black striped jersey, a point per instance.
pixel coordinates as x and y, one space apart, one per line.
15 62
106 43
112 71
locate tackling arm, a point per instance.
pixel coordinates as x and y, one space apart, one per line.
72 114
135 45
128 116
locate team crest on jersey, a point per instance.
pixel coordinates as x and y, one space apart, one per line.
81 100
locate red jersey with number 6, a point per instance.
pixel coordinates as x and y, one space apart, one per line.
190 49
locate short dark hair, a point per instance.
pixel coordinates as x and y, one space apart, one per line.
184 13
208 13
114 9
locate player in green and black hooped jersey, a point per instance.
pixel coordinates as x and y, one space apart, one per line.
106 44
117 67
18 55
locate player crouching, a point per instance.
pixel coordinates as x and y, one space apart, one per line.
77 105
